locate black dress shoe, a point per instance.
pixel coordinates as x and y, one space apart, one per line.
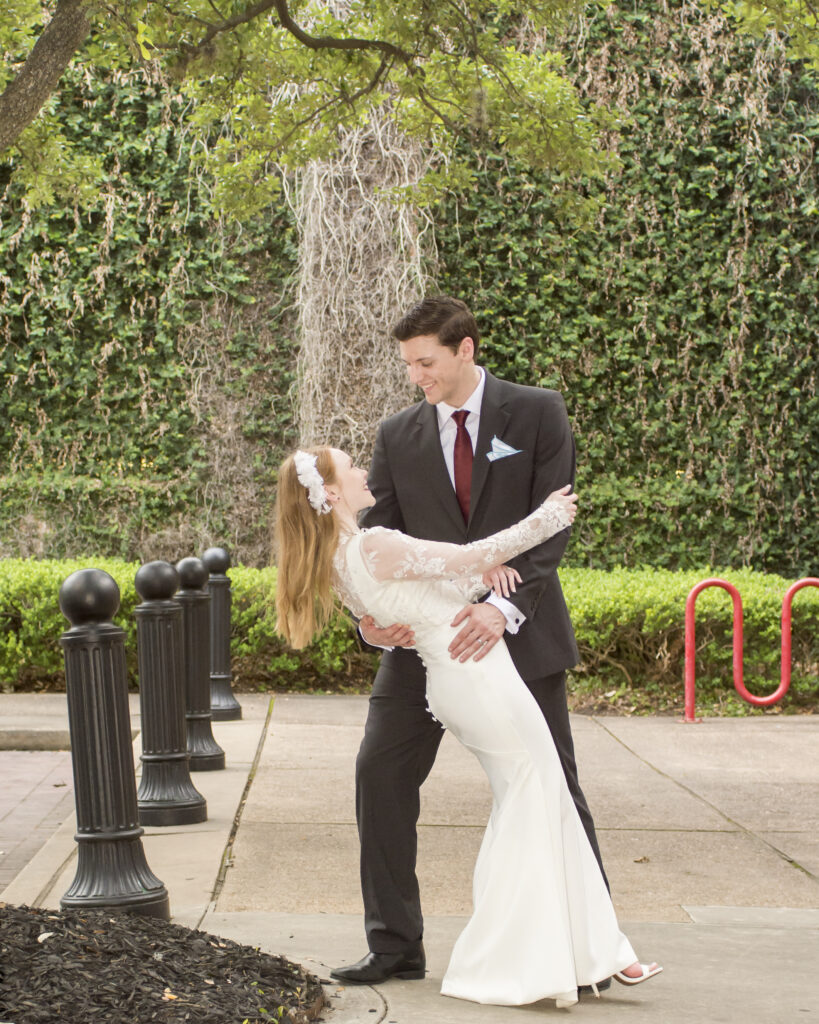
587 990
378 967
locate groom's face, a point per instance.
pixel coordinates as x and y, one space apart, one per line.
443 374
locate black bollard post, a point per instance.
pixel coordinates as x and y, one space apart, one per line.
205 753
111 868
166 795
223 705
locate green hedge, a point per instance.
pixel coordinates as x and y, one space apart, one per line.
629 625
31 624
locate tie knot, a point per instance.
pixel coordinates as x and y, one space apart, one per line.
460 417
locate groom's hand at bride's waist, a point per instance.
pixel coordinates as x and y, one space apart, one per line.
396 635
483 625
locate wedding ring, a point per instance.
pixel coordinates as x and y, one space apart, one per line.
481 643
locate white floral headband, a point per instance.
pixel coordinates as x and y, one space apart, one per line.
311 479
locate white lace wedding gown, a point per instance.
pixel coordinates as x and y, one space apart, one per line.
542 921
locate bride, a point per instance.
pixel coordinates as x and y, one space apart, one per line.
543 923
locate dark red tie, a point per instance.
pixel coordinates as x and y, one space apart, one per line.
463 462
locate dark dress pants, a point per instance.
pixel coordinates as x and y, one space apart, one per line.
401 739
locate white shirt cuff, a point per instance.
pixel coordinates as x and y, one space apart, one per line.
514 616
366 641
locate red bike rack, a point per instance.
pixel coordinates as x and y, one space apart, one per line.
739 685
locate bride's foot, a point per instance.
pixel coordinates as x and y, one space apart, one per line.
637 973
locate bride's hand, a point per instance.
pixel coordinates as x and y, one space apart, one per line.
396 635
502 580
567 498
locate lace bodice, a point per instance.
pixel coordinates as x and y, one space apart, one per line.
369 558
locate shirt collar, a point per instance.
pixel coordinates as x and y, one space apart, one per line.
472 404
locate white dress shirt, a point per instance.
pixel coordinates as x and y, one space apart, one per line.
448 430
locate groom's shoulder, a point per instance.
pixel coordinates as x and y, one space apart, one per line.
530 394
401 421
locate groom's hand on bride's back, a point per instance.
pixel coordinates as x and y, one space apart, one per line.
396 635
482 625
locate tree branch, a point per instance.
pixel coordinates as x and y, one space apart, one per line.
315 115
26 93
247 15
289 25
424 100
332 42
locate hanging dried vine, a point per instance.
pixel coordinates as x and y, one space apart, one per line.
363 260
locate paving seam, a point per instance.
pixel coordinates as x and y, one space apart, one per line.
227 859
42 895
384 1003
341 1013
738 825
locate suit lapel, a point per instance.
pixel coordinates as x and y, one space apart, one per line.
430 461
494 417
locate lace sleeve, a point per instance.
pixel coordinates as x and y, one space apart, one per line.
390 555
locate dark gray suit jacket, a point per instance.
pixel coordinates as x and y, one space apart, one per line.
414 494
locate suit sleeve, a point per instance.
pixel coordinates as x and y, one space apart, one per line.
386 511
554 467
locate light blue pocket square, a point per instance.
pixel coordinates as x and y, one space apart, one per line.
501 450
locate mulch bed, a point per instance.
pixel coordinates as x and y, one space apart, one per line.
120 968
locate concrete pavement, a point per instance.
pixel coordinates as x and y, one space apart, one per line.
710 834
35 798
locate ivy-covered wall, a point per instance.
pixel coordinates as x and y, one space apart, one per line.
147 352
682 325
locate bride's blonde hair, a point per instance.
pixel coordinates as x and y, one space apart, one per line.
305 543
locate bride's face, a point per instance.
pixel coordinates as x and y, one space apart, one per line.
351 482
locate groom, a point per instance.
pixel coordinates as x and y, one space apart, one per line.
475 456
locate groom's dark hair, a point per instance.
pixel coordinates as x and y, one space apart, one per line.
450 320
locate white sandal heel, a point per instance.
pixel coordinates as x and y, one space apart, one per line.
648 971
